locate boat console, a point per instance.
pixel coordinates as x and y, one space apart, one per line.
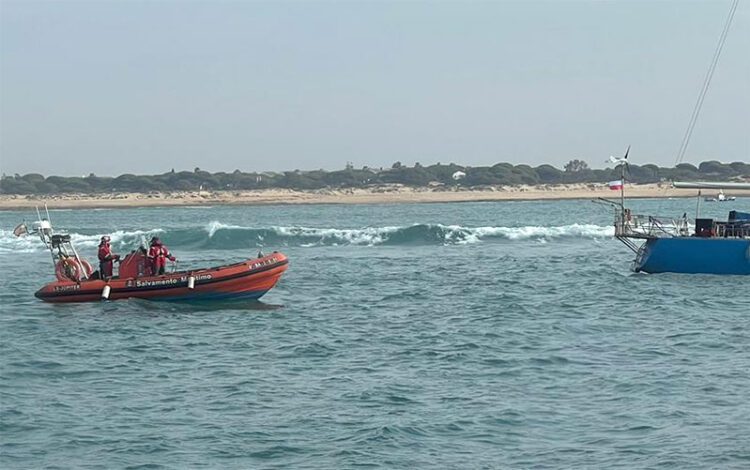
135 264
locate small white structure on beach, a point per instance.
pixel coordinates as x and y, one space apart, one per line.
459 175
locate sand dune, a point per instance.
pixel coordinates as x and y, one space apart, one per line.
371 195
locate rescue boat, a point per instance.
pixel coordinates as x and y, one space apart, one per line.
78 282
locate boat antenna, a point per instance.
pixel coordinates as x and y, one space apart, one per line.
623 167
698 206
622 162
706 84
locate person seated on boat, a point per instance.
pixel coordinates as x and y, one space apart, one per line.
106 258
158 254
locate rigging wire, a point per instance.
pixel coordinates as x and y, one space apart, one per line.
706 83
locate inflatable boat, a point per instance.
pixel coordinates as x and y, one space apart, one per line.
78 282
249 279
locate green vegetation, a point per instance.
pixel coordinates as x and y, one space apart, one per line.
575 171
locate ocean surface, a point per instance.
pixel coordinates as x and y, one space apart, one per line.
473 335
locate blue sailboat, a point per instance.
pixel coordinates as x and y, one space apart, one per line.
680 245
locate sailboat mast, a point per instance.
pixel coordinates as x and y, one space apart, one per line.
622 187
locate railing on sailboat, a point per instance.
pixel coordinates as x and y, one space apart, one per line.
710 185
632 225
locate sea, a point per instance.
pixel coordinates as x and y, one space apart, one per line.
462 335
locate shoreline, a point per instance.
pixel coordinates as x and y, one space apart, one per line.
385 194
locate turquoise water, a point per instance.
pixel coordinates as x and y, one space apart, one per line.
478 335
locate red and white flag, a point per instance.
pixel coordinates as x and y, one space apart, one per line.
615 185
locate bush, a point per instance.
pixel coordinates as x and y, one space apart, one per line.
577 171
10 185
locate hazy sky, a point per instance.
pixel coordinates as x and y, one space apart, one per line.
142 87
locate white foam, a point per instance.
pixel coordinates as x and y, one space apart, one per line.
366 236
451 234
363 236
215 226
9 242
31 243
540 232
117 237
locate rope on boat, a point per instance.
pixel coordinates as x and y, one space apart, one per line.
706 84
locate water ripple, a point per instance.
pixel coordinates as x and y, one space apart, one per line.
501 353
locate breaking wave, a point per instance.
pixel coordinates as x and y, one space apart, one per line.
419 234
120 238
217 235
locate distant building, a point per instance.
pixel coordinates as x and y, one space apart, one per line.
459 175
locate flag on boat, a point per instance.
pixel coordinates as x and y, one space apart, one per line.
615 185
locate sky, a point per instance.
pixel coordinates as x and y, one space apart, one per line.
146 86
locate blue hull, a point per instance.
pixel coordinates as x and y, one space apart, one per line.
200 297
692 255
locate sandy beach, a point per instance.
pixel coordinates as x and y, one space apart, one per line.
373 195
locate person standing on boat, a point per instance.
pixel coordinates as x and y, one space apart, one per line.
158 254
106 258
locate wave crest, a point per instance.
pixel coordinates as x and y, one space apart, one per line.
217 235
122 239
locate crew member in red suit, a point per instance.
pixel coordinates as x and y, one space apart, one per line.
106 258
158 254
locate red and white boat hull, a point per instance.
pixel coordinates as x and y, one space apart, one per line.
249 279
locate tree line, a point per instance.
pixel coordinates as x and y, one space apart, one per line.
575 171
